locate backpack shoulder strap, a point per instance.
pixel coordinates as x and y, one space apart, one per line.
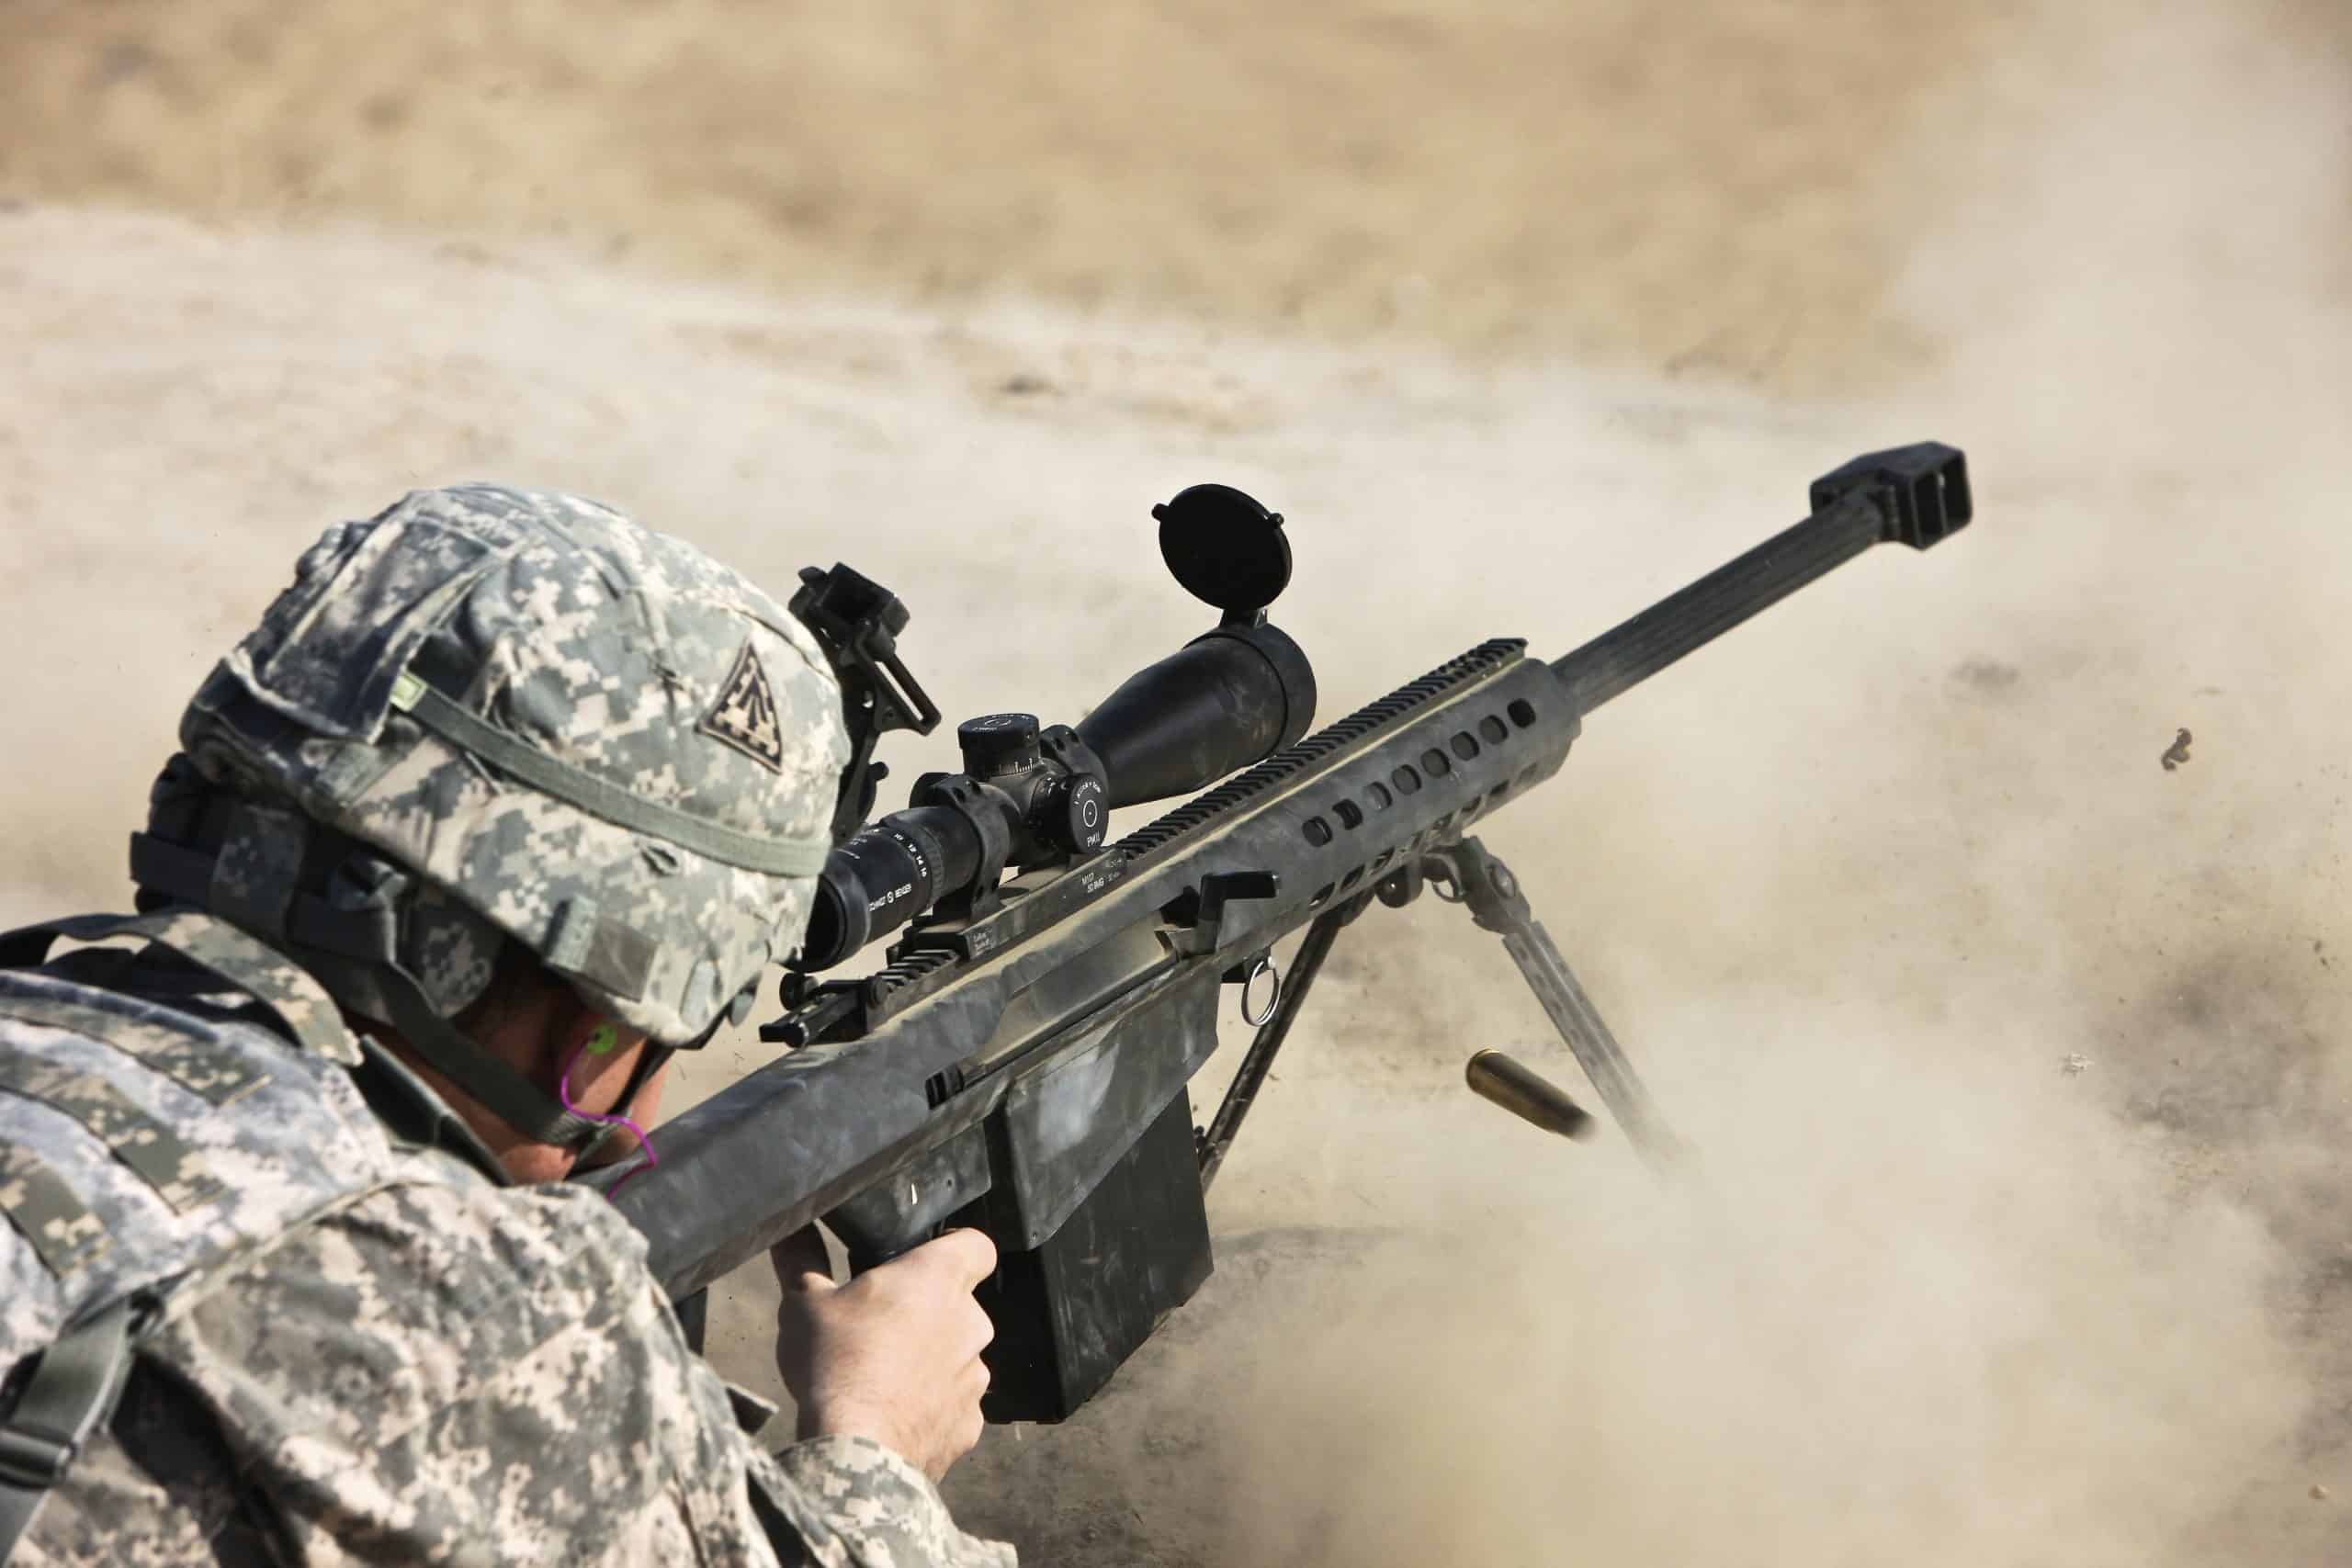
299 1003
74 1389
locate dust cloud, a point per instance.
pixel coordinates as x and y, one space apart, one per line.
2014 1060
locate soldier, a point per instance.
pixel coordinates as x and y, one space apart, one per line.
507 799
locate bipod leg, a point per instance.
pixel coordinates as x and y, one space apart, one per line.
1497 904
1259 1060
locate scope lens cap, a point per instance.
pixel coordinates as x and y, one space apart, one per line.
1224 547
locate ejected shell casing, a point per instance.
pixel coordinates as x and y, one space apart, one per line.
1526 1095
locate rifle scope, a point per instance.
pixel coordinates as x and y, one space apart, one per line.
1030 797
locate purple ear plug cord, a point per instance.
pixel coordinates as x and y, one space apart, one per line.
599 1042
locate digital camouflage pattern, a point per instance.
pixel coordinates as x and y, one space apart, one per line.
73 1104
880 1509
382 1380
369 1353
622 655
575 733
294 998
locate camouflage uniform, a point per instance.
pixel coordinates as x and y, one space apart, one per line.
355 1343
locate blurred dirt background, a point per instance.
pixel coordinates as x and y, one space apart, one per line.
2018 1061
1710 187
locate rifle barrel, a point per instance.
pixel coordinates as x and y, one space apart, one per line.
1914 494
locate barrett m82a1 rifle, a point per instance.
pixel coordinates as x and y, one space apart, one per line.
1020 1063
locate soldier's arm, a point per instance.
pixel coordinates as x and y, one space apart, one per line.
435 1369
879 1509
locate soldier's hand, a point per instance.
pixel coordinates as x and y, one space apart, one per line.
895 1354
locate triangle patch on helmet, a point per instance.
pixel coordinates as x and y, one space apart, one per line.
745 716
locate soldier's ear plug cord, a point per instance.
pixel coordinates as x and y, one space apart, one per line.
601 1040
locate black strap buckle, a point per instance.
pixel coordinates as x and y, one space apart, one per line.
34 1458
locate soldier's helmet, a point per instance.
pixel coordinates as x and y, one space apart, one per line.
491 714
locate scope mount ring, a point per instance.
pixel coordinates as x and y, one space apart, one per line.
1261 965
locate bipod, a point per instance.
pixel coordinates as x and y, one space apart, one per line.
1487 887
1211 1143
1462 874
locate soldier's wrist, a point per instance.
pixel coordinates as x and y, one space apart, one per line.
849 1419
863 1449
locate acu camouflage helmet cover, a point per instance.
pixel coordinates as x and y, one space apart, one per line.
614 750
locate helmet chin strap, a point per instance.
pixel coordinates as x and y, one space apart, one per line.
350 939
387 992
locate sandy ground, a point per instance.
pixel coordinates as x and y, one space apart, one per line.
1855 887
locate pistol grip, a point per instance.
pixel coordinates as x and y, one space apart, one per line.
913 1203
